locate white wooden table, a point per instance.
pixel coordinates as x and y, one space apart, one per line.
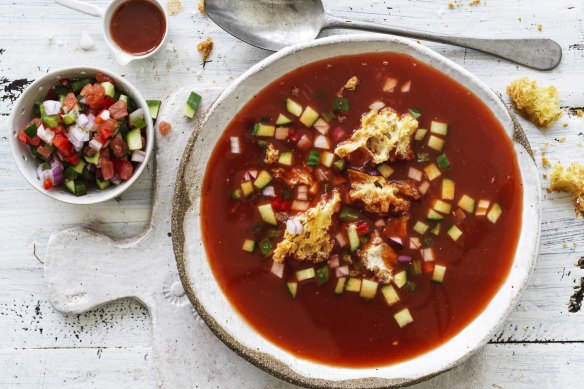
541 344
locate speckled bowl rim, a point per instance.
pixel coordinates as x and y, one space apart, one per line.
182 203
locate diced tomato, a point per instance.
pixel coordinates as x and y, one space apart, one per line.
47 184
73 159
35 141
164 128
94 95
119 110
70 101
51 94
36 121
285 205
293 136
118 147
428 267
105 152
105 132
44 152
124 168
89 151
277 203
362 228
107 168
99 138
107 102
62 144
100 77
338 133
59 129
111 124
23 137
64 81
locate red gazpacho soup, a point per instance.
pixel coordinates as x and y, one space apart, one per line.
362 210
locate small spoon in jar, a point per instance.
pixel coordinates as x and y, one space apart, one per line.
274 24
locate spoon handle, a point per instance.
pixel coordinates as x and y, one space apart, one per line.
81 6
541 54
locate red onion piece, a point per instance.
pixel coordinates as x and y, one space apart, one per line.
322 142
304 143
333 262
278 269
342 271
235 146
338 133
404 259
138 156
396 242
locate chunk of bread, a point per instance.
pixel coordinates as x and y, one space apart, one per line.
540 105
378 257
379 196
314 243
569 180
294 176
352 83
384 135
272 154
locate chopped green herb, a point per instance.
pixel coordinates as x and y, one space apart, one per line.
328 115
415 112
348 213
442 161
237 194
422 157
287 194
427 241
254 128
265 247
313 158
322 275
340 104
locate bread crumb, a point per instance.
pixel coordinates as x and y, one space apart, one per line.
579 113
474 2
205 47
378 257
519 19
564 244
545 162
174 7
352 83
565 125
454 4
201 7
562 139
539 27
540 105
272 154
570 180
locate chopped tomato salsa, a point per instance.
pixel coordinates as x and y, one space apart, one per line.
362 210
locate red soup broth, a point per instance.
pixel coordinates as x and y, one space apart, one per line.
345 329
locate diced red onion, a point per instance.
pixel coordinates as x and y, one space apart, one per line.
299 205
415 174
321 126
91 167
424 186
390 83
281 133
304 143
77 136
333 262
82 120
137 114
138 156
322 142
278 269
396 242
380 223
342 271
377 105
116 181
321 175
427 254
91 124
40 171
406 86
83 100
340 237
302 193
45 134
52 107
269 191
459 215
294 227
95 144
104 115
404 259
250 175
235 146
415 243
338 133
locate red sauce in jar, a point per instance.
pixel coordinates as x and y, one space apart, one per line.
138 26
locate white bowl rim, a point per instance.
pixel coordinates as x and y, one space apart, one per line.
112 191
184 210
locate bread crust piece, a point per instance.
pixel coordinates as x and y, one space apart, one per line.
378 257
540 105
314 243
272 154
384 135
569 180
294 176
379 196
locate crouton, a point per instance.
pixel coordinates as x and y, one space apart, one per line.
569 180
352 83
272 154
540 105
205 47
293 177
314 243
378 257
383 135
379 196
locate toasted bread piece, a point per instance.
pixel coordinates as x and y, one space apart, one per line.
384 135
314 243
379 196
272 154
294 176
540 105
352 83
569 180
378 257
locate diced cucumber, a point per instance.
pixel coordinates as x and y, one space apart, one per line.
153 107
292 288
494 213
321 126
448 189
93 159
70 174
438 273
51 121
441 206
482 207
341 104
421 227
282 119
439 128
101 184
31 131
454 232
293 107
265 247
134 139
435 230
70 117
262 180
368 289
353 237
191 105
400 279
286 158
109 88
339 165
80 189
390 294
432 171
322 275
264 130
267 214
79 84
353 285
237 194
124 98
309 116
433 215
436 143
340 287
305 274
385 170
70 185
248 245
403 317
327 158
467 203
247 188
420 134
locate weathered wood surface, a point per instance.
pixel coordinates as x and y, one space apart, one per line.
540 342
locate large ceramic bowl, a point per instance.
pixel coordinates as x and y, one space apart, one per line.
213 306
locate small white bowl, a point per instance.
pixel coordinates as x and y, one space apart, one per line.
23 112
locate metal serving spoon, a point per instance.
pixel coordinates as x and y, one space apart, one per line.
274 24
